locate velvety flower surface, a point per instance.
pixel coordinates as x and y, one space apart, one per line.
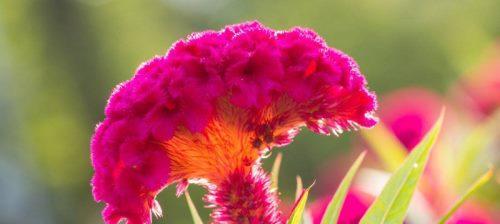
213 105
244 200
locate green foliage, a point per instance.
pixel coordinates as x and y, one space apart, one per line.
334 207
392 204
193 210
470 152
479 183
298 211
61 59
387 147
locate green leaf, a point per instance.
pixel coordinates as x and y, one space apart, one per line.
298 210
473 147
392 203
333 210
477 184
387 147
275 171
192 209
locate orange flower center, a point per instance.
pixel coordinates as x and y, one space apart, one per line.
234 139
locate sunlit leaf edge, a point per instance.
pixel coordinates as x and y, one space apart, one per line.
391 205
334 207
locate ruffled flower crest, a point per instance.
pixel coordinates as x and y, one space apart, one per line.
212 106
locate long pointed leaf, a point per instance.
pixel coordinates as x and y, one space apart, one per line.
392 204
333 210
192 209
298 210
473 147
387 147
479 183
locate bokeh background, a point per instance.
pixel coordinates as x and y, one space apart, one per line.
60 59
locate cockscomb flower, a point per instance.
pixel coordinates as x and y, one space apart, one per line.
208 110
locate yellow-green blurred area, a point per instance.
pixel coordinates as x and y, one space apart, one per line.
60 59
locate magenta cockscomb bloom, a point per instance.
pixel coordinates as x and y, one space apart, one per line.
209 109
355 205
409 113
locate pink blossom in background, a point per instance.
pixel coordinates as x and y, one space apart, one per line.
471 213
479 92
409 113
355 205
210 108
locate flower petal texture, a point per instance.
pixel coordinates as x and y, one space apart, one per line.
244 198
213 105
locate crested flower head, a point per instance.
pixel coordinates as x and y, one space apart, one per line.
213 105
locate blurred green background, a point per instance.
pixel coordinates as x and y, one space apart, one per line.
59 60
